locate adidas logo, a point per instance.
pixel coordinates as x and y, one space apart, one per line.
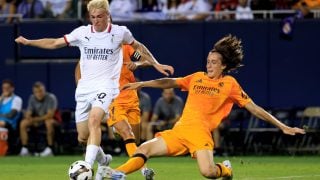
199 81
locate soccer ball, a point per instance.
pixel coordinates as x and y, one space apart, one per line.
80 170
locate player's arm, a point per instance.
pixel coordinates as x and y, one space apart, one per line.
10 114
147 56
46 43
49 115
137 61
154 117
175 119
77 74
264 115
28 114
162 83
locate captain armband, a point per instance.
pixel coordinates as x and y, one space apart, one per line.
135 56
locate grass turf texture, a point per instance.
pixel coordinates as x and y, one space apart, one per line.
245 168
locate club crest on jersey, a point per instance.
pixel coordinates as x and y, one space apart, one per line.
112 37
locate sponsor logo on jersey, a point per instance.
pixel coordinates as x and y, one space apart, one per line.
97 53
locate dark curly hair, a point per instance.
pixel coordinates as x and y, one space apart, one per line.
230 48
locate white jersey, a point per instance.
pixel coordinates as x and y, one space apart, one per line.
101 55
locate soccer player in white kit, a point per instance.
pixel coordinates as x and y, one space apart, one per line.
100 65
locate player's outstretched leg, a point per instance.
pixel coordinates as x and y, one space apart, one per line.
154 147
211 170
227 164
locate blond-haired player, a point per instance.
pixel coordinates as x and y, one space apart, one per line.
100 64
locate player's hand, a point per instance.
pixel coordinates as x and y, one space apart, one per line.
22 40
164 69
132 66
131 86
293 131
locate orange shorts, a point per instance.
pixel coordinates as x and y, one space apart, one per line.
180 141
119 112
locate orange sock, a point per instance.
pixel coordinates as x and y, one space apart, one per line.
223 170
133 164
131 146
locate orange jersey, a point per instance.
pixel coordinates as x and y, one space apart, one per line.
126 76
209 100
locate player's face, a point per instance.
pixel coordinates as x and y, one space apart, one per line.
7 90
99 19
39 93
214 65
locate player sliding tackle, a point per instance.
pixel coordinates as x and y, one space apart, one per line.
210 99
100 65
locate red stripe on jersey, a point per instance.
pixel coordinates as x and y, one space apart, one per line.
65 40
109 28
92 29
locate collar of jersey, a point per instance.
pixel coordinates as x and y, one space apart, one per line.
108 29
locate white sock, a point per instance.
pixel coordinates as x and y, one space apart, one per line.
91 153
100 156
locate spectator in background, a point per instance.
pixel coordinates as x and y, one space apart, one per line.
150 6
41 109
166 112
57 8
7 8
193 10
122 10
170 7
152 10
10 106
84 10
30 9
145 109
243 11
226 6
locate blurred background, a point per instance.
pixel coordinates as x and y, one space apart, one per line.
280 73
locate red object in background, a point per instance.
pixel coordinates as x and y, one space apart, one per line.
3 141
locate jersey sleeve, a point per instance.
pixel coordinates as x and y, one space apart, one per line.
238 96
127 36
30 104
17 103
73 39
184 82
53 103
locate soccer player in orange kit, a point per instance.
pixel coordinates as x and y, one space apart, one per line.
211 96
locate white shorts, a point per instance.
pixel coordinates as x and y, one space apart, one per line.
98 98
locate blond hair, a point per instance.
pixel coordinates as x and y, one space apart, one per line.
98 4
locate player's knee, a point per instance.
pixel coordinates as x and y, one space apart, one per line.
82 140
144 149
94 123
208 172
49 124
24 124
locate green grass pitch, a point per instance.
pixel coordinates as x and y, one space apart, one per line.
175 168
